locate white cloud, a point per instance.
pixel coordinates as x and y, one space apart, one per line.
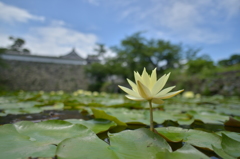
194 21
13 14
59 40
57 23
4 38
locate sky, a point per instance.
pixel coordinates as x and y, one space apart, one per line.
53 28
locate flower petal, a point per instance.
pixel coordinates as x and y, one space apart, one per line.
163 92
133 85
157 101
145 77
137 77
169 95
129 91
135 98
160 84
143 91
153 78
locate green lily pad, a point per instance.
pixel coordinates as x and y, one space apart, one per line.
96 125
57 106
230 146
15 145
233 135
84 147
183 118
129 116
220 152
194 137
185 152
18 105
160 116
140 143
212 118
100 114
51 131
31 110
26 139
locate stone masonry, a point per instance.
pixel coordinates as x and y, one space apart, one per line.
33 76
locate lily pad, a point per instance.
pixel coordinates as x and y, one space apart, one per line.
27 139
96 125
100 114
140 143
51 131
212 118
230 146
129 116
220 152
15 145
187 151
233 135
194 137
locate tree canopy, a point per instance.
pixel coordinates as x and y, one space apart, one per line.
16 46
234 59
136 52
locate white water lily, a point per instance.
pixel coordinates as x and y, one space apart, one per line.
148 88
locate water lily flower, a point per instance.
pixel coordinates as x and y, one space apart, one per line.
148 88
188 94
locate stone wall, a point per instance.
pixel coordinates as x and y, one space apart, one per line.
34 76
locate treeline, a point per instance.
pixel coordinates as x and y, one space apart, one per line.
15 47
190 71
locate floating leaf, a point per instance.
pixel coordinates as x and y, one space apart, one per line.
129 116
140 144
220 152
194 137
100 114
233 135
51 131
212 118
230 146
15 145
96 125
185 152
26 139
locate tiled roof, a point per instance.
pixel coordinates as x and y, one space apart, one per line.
72 55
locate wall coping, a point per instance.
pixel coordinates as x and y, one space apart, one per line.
42 59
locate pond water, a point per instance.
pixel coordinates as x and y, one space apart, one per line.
75 114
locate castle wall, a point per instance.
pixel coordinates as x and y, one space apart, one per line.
35 76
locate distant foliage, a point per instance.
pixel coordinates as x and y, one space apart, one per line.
198 65
233 60
17 46
134 53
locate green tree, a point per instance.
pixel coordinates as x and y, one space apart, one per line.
97 74
198 65
233 60
136 52
17 46
100 49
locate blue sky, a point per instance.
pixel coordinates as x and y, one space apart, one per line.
54 27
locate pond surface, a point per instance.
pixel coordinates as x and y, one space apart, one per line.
76 114
45 115
207 115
